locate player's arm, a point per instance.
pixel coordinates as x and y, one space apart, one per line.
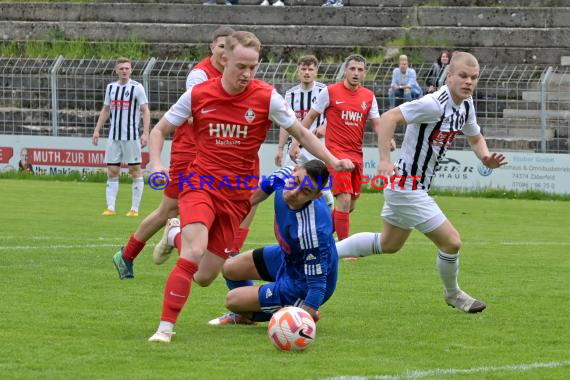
159 133
146 124
282 141
316 271
385 128
314 146
175 117
267 185
103 117
479 147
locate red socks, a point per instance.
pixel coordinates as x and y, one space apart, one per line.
133 248
239 239
178 242
177 289
341 222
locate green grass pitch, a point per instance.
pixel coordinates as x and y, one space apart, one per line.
64 313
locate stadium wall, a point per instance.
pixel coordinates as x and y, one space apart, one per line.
460 170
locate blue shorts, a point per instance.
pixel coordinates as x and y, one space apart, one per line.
283 291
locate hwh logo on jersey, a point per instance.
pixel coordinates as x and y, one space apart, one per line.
351 116
228 130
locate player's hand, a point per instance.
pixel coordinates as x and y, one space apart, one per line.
385 169
294 151
344 165
95 139
144 139
495 160
315 314
158 168
278 157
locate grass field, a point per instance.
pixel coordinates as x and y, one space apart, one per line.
65 314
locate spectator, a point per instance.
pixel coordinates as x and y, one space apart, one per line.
334 3
436 78
24 163
278 3
404 84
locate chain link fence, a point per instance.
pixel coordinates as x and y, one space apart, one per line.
519 107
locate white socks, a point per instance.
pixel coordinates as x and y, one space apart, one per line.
111 192
171 235
359 245
448 268
166 326
138 187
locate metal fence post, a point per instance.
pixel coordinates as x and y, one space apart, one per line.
543 116
54 97
146 76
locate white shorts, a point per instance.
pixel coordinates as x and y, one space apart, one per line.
127 151
412 209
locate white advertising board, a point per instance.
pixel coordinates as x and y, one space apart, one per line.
461 170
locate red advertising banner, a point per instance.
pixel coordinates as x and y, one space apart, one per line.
6 152
72 157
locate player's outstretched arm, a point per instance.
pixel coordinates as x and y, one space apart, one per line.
157 136
479 147
314 146
385 129
258 196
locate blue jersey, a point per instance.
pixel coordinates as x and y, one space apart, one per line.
306 238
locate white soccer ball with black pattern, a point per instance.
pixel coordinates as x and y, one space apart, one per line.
291 329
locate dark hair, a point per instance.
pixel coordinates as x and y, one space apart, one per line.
356 58
318 172
441 54
222 31
308 60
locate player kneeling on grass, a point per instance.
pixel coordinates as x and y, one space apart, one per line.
302 268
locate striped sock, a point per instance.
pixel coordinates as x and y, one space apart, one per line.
448 268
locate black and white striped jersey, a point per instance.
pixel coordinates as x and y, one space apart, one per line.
301 101
125 101
432 124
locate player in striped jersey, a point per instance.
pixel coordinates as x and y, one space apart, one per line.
301 98
347 106
125 100
182 153
302 268
432 124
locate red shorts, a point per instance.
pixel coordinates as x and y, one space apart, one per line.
173 188
221 216
347 182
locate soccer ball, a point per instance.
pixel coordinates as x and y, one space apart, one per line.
291 329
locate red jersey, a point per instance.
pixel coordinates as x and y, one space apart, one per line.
346 116
183 149
228 130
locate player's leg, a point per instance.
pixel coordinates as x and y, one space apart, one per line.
113 157
258 264
113 172
123 259
132 155
341 215
448 242
197 213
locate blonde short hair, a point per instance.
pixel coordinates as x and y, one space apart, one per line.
245 39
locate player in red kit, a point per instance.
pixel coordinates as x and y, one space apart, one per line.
182 154
231 117
347 106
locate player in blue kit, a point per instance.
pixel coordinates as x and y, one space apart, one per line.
302 268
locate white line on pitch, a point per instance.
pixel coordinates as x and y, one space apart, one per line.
458 371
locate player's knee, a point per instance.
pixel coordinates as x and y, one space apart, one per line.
204 279
453 245
229 272
232 300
